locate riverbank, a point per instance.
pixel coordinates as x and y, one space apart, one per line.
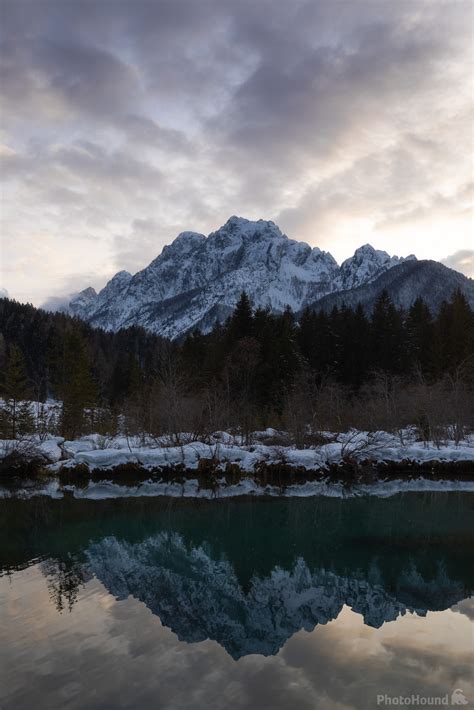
353 463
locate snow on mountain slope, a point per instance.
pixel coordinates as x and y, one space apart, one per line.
197 280
406 282
365 266
83 301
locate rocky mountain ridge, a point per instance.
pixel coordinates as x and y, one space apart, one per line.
197 280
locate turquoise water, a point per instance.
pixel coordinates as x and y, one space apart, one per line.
280 603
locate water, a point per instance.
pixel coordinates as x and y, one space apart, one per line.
286 603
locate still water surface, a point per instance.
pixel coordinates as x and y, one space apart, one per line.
281 603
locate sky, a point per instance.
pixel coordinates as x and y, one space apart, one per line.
125 123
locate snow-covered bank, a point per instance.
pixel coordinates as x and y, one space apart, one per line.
31 447
359 448
353 463
269 446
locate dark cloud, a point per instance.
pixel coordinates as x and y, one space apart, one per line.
142 130
315 82
91 161
465 607
64 83
320 115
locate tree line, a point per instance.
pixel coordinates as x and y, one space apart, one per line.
258 369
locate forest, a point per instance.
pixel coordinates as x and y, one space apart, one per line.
318 371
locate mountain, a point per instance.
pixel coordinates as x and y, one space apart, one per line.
197 280
74 304
365 266
404 284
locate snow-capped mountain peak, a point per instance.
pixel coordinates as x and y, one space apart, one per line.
184 243
365 265
121 277
240 225
197 279
83 301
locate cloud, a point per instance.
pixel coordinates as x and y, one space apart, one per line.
137 248
462 260
57 303
64 83
465 607
344 124
142 130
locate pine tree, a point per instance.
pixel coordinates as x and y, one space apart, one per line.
241 322
79 388
15 414
318 343
306 335
285 361
387 336
353 344
3 353
240 373
265 381
454 334
419 330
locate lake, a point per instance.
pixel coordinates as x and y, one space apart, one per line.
244 603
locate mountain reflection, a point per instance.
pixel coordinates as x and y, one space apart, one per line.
250 574
200 598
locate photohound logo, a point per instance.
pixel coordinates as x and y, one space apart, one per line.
457 698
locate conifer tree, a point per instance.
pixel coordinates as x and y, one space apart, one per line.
240 372
306 335
387 336
15 414
455 333
3 353
319 343
352 346
79 388
285 360
419 330
241 322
